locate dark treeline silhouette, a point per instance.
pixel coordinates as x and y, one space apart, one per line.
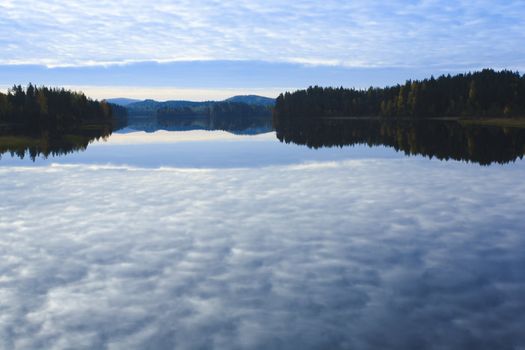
41 121
482 94
443 139
35 110
51 144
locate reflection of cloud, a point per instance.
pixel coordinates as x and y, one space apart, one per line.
334 32
362 254
161 136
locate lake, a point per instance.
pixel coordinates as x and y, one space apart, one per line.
332 235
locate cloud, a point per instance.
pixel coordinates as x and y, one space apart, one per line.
197 150
169 137
204 79
397 253
349 33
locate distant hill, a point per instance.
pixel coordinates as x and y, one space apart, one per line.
252 100
152 104
150 107
218 110
121 101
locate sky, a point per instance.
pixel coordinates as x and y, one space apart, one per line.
201 48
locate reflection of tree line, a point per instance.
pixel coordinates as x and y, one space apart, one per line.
45 144
232 125
431 138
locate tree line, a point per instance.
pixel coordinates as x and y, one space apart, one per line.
41 109
487 93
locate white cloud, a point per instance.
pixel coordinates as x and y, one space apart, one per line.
351 33
169 137
404 253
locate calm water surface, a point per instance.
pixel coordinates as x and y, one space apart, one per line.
208 239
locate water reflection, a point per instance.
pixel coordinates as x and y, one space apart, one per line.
33 144
239 126
432 138
439 139
21 143
338 252
363 254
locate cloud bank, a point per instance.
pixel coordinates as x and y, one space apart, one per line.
366 254
203 80
334 32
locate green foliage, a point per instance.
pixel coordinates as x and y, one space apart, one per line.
41 109
482 94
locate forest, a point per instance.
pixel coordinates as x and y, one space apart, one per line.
36 110
487 93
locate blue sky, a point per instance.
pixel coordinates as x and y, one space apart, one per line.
156 48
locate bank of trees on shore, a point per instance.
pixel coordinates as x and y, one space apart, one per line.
487 93
36 109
